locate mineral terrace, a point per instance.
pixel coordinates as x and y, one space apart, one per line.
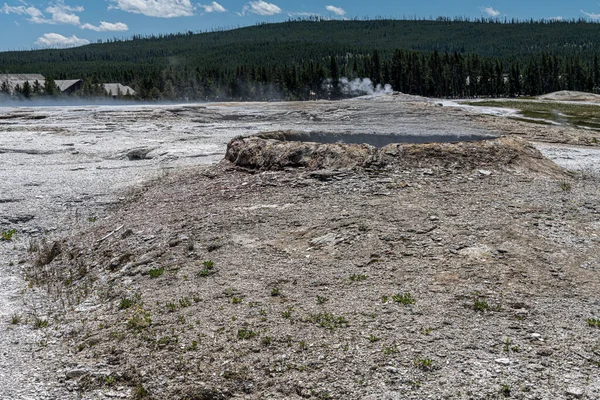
199 252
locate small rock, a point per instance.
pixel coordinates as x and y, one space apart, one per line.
485 172
76 373
330 239
544 352
502 361
126 234
392 370
138 154
537 336
575 392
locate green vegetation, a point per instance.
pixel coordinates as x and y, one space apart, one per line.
39 323
184 302
290 60
357 278
155 273
15 319
584 115
7 235
480 305
208 268
140 392
266 341
426 364
139 320
244 334
373 338
404 298
565 186
126 303
393 349
593 322
327 320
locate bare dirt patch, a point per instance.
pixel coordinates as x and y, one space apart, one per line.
456 271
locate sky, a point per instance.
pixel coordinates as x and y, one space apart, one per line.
37 24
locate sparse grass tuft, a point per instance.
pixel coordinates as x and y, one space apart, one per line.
275 292
15 319
266 341
126 303
393 349
373 338
505 390
328 320
404 298
139 320
565 186
155 273
39 323
208 268
140 392
184 302
425 364
322 300
7 235
357 278
480 305
593 322
287 314
244 334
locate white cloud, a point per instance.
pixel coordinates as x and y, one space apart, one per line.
559 18
213 7
62 14
106 27
59 11
261 7
490 11
340 12
590 15
57 40
32 12
156 8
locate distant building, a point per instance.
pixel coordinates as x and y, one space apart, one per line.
69 86
14 80
117 90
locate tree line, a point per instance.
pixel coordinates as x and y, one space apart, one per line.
445 75
304 59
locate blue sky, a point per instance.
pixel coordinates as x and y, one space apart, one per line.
34 24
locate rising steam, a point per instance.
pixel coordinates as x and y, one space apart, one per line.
359 87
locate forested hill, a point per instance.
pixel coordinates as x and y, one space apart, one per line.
266 53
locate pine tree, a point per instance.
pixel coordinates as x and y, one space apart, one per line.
50 88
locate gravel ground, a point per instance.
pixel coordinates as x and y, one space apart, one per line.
68 170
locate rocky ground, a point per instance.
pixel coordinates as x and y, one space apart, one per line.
441 276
